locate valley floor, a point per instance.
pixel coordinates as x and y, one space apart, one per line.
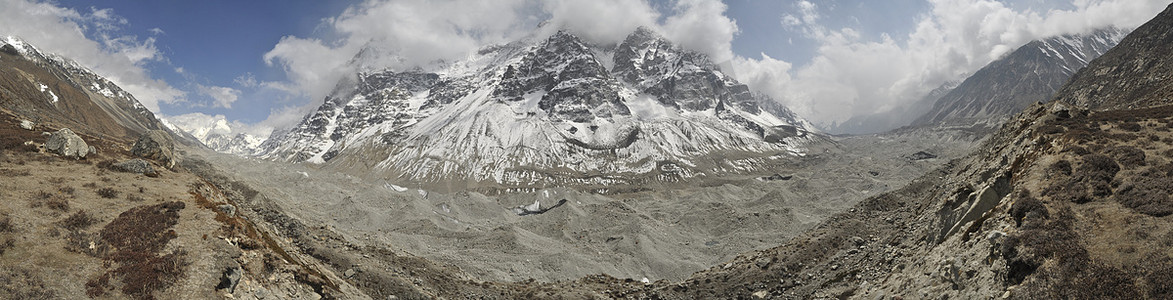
667 233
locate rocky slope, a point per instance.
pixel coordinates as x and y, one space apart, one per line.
1030 74
1134 74
1061 203
547 111
44 86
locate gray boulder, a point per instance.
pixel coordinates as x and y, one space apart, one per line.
156 145
137 166
65 143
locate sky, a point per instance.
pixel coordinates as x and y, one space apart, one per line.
252 66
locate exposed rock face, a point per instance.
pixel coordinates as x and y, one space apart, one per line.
1135 73
137 166
156 145
65 143
1030 74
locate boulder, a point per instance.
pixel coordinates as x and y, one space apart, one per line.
26 124
137 166
65 143
156 145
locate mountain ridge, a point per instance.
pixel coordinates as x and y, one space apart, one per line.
546 110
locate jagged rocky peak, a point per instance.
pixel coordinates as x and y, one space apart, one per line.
678 77
572 84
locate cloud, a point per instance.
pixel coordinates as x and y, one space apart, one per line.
119 58
604 22
417 33
701 25
222 96
852 76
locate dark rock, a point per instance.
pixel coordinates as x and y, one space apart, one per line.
921 155
65 143
229 279
778 177
137 166
874 173
156 145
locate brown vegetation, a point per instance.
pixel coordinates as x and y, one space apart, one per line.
136 237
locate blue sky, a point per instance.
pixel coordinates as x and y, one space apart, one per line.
257 65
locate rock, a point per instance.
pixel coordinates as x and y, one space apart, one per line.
93 150
229 279
26 124
349 273
919 155
858 241
68 144
137 166
779 177
227 209
156 145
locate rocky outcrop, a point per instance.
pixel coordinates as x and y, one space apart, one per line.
137 166
65 143
156 145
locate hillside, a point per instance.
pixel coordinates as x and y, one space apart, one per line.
1030 74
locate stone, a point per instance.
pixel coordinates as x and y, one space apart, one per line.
156 145
229 279
26 124
68 144
227 209
137 166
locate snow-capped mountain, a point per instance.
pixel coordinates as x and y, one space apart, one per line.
1030 74
71 93
553 110
217 134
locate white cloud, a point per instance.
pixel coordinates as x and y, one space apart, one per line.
852 76
605 22
701 25
157 31
247 80
117 57
223 96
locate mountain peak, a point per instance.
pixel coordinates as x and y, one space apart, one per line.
547 111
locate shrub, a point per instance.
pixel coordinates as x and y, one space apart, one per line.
134 198
137 236
6 224
1061 167
1129 126
107 193
79 220
1128 156
59 204
68 190
1027 206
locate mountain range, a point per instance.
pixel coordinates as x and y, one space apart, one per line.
548 110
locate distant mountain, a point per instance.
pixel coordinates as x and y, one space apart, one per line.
547 110
1030 74
1136 73
48 88
218 136
893 118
